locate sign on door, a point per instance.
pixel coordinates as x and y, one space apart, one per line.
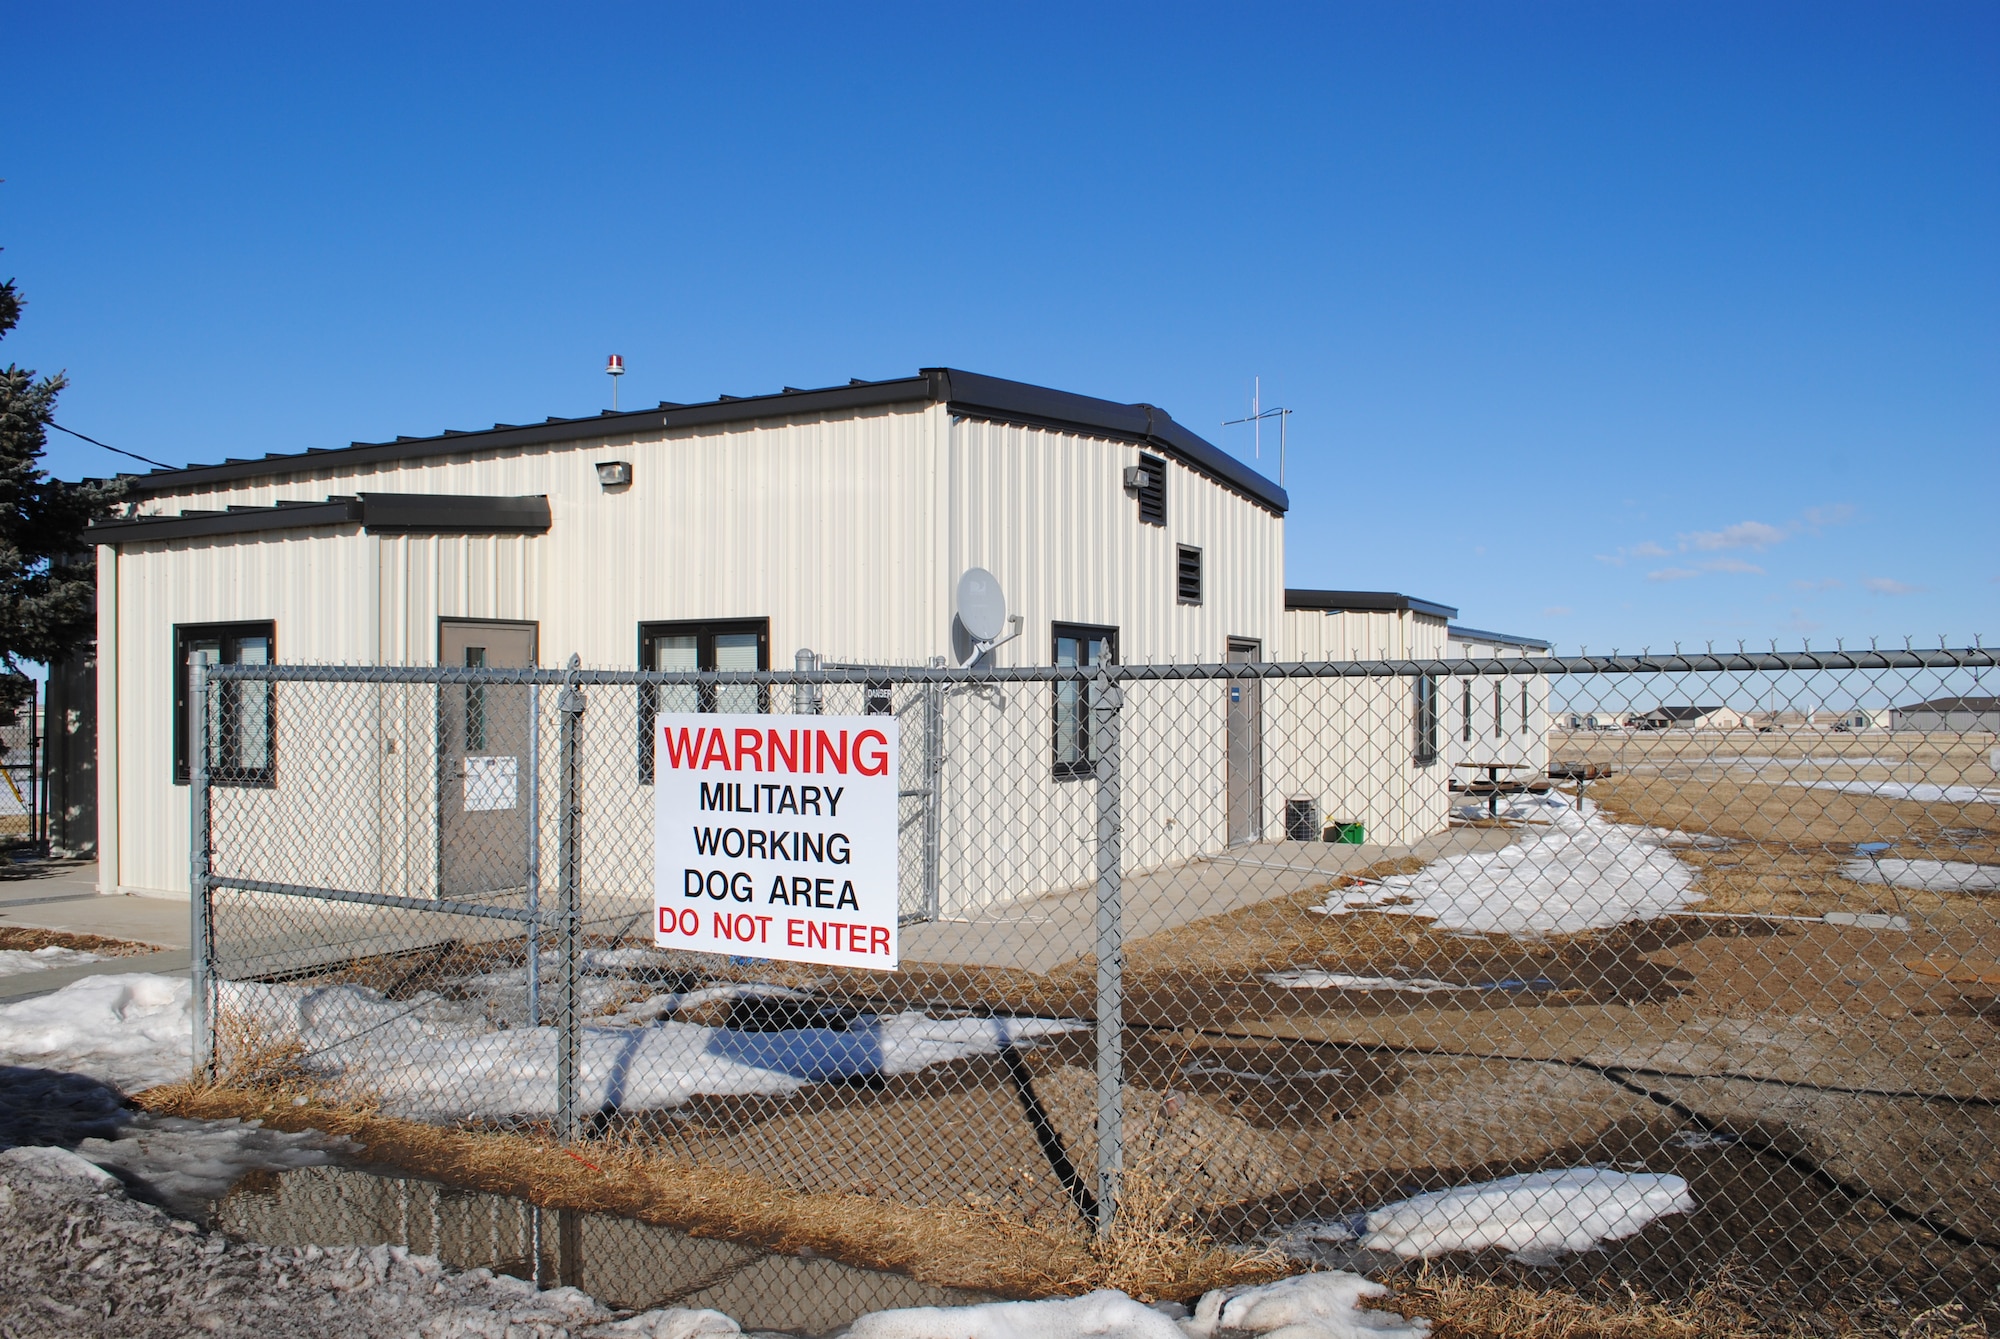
777 840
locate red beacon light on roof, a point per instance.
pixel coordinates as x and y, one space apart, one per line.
614 367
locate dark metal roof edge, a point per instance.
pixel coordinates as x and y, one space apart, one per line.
969 392
249 520
377 513
979 395
1365 601
1502 638
629 422
454 513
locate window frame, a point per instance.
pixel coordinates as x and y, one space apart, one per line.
1425 703
1084 764
227 770
704 631
1182 553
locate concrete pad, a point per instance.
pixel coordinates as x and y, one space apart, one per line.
62 895
1037 934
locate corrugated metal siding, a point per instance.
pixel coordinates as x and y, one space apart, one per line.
847 533
1524 743
312 584
1048 514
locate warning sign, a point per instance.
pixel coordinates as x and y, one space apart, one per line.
777 840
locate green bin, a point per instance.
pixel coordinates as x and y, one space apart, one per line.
1348 834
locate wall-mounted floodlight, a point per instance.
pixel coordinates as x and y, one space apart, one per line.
1138 478
614 473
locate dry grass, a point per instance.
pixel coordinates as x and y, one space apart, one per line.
26 938
1462 1307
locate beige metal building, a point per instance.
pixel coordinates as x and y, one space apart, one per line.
727 535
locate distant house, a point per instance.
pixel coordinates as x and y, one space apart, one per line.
1688 718
1956 715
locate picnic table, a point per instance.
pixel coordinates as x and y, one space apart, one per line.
1493 787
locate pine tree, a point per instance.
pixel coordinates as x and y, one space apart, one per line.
46 568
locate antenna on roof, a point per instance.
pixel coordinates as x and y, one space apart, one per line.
1256 421
615 368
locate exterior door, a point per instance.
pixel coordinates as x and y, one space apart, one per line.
483 771
1244 747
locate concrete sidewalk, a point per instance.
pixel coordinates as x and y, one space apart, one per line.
62 895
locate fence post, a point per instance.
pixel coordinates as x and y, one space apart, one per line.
200 926
532 875
568 871
1105 705
933 794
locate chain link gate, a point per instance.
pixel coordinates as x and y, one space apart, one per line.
1653 1005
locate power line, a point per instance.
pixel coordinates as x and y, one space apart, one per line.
117 449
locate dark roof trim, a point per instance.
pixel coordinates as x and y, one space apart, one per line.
1500 638
979 396
376 513
963 392
1953 704
1365 601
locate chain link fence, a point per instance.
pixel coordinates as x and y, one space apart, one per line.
1628 972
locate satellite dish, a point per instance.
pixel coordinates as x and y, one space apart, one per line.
981 618
982 608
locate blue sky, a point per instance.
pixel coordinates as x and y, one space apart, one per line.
1613 324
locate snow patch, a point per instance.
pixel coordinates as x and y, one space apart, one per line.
1310 980
1924 792
1538 1216
1943 876
1308 1306
14 961
1577 872
130 1030
433 1057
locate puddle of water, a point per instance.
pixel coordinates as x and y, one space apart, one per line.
620 1262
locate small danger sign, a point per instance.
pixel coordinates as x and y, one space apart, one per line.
777 840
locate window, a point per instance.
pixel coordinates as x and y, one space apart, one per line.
1499 712
1524 708
1084 647
238 729
1187 574
733 644
1153 497
475 703
1425 689
1466 709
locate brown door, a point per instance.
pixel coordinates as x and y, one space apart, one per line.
483 771
1244 746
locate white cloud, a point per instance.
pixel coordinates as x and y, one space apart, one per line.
1754 535
1731 565
1888 586
1557 611
1824 583
1839 512
1672 574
